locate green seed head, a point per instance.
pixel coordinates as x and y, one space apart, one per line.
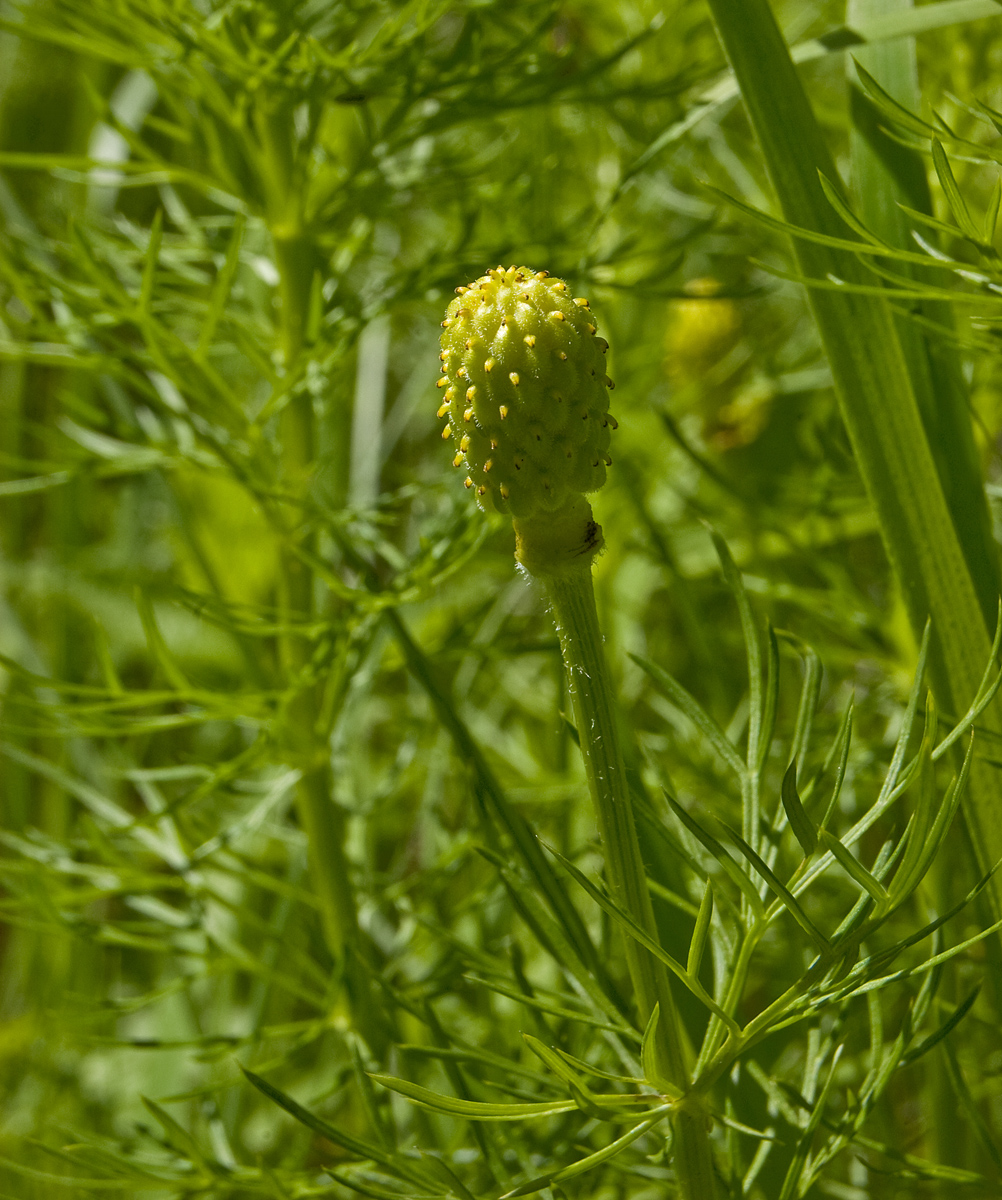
525 392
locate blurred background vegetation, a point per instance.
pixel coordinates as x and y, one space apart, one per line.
235 565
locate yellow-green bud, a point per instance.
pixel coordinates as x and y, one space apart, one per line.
525 392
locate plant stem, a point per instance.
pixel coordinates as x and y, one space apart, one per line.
320 817
305 742
572 596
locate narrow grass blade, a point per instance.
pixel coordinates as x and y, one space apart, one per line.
587 1101
872 32
758 1162
921 824
948 1026
986 693
648 1049
810 694
591 1160
454 1186
800 822
157 646
802 233
590 1069
786 897
653 1075
841 746
474 1110
896 113
638 934
770 700
753 650
970 1105
221 289
908 720
690 706
992 213
891 188
837 201
874 388
554 940
370 1189
150 264
475 1055
347 1141
697 943
713 847
958 206
478 1110
553 1010
178 1138
559 1066
796 1169
853 867
880 959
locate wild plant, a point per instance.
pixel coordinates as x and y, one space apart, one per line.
291 781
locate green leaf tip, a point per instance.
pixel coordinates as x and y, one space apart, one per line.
800 822
525 392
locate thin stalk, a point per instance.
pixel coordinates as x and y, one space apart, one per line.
53 86
320 817
572 596
735 990
306 742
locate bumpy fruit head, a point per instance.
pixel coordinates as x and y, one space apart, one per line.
525 392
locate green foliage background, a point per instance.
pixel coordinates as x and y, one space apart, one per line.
246 604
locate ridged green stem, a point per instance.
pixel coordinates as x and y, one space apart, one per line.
572 597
